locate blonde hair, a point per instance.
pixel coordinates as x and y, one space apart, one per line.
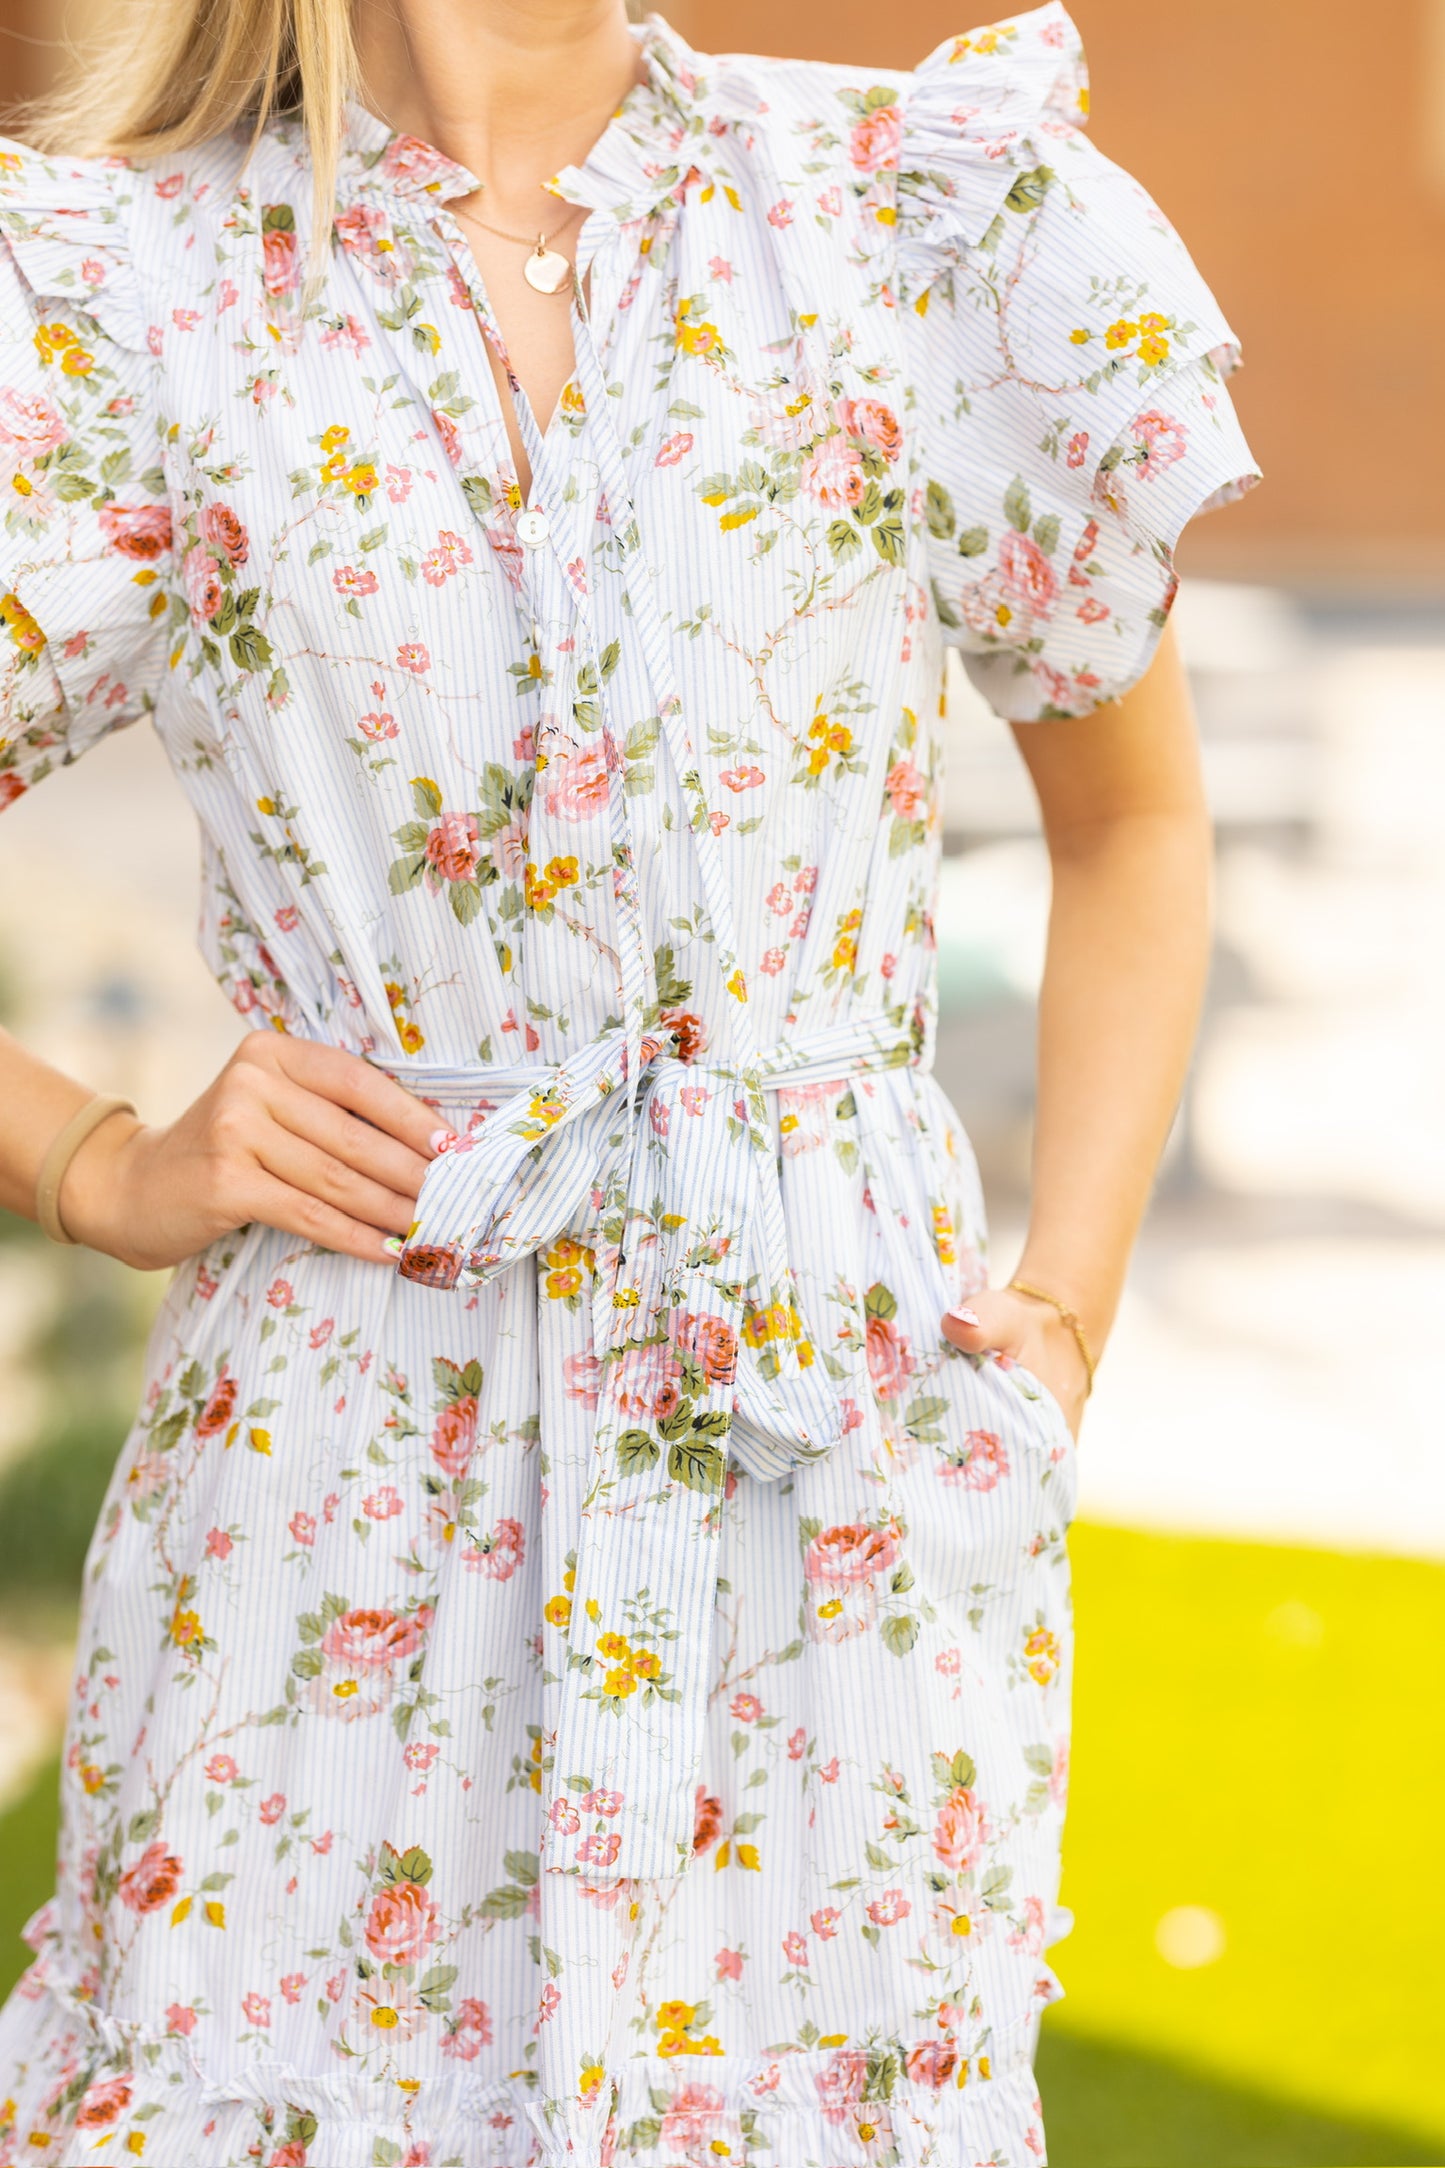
169 74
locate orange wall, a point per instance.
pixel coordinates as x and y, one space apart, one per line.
1289 141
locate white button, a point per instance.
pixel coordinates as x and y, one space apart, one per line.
533 528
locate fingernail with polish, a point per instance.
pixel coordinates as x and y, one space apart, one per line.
393 1245
963 1316
442 1140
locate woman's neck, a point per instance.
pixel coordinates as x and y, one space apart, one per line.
511 89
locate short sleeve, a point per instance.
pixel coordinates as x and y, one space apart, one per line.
85 529
1071 364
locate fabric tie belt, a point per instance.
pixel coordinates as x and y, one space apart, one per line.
700 1357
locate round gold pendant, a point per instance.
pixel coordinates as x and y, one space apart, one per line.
547 269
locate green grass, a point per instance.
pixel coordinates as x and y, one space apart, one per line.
1258 1733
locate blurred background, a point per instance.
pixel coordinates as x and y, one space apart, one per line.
1254 1837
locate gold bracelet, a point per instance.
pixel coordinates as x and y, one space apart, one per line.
63 1149
1070 1318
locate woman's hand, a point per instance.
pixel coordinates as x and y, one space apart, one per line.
301 1137
997 1319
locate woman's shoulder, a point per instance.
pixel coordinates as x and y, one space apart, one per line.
924 155
116 236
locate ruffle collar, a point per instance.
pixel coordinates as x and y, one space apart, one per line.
660 130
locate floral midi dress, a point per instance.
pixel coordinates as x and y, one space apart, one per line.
598 1692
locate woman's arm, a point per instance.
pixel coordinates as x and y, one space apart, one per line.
1129 841
301 1137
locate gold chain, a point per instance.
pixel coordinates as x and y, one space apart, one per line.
1070 1318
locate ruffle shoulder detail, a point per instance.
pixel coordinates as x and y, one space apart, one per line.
975 120
65 222
1071 364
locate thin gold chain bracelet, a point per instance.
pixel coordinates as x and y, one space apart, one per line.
1070 1318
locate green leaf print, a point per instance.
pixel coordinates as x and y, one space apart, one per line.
899 1634
971 543
1030 189
939 512
696 1464
637 1450
1017 507
250 649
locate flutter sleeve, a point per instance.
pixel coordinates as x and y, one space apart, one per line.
1071 364
85 529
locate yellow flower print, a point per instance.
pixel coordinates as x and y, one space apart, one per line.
557 1611
694 338
24 631
333 438
618 1684
646 1664
561 872
362 479
185 1627
825 738
1041 1655
565 1265
613 1646
1120 334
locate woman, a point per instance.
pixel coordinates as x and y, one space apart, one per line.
586 1588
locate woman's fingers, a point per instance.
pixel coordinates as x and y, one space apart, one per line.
305 1167
345 1137
349 1082
297 1212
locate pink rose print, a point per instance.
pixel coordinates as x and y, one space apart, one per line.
348 581
32 426
280 274
875 423
219 1543
142 531
1028 577
710 1341
961 1830
402 1924
674 448
256 2008
152 1882
452 851
729 1964
874 140
931 2063
840 2083
411 655
842 1566
454 1436
906 790
890 1357
469 2031
221 1769
985 1462
498 1555
1161 439
833 473
103 2103
645 1381
221 528
692 2122
889 1909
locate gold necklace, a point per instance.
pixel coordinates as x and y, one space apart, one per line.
546 269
